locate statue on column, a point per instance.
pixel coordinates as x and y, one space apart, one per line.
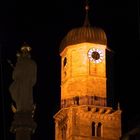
24 78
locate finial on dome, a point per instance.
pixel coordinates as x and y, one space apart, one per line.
86 22
87 6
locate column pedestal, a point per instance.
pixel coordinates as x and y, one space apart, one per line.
23 125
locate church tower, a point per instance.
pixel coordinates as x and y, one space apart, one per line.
84 113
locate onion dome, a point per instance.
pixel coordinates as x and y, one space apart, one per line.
86 33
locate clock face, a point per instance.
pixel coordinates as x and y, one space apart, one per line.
95 55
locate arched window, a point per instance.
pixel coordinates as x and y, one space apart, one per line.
99 129
76 100
64 129
93 128
64 62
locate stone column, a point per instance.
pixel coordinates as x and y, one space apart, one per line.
23 125
96 125
21 89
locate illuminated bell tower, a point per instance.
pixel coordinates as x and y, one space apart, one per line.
84 113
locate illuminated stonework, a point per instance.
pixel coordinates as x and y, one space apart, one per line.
84 114
80 77
87 122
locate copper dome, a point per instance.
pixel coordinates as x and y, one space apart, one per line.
84 34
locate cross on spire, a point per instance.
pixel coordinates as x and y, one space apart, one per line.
86 22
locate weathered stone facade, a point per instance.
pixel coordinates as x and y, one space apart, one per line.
84 113
76 123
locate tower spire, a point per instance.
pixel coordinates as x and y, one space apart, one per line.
86 22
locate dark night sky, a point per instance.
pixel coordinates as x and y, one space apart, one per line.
43 24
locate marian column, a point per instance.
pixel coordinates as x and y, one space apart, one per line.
24 78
